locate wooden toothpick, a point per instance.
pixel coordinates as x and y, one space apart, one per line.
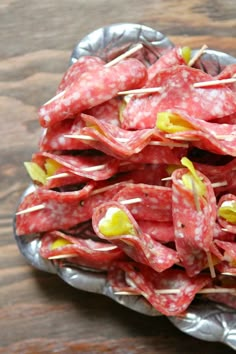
124 55
197 55
31 209
214 82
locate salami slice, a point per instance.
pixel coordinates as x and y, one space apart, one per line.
171 57
177 93
83 64
87 253
62 210
53 138
228 72
155 202
93 89
152 154
149 284
222 235
92 166
194 214
215 137
112 221
228 297
114 140
229 249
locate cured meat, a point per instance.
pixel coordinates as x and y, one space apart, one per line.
146 282
92 166
86 253
53 138
228 297
91 90
209 136
229 249
62 210
177 94
114 140
83 64
154 205
228 72
112 221
152 154
171 57
194 214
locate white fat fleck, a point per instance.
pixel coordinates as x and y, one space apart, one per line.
185 74
178 224
179 234
172 307
76 95
196 99
62 140
67 102
46 118
54 144
134 211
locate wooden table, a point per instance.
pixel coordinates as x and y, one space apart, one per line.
39 313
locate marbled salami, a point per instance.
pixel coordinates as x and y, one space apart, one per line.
92 89
177 93
112 221
146 282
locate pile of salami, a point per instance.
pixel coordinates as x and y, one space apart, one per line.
140 185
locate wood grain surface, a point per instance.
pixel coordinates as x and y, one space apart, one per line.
39 313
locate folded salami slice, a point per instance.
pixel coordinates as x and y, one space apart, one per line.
206 141
226 211
152 154
228 297
228 72
155 202
223 235
112 221
171 57
62 210
226 268
92 166
53 138
148 174
215 137
194 214
92 89
87 253
83 64
226 173
113 140
229 249
177 93
146 282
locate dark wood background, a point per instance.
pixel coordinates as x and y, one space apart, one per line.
39 313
